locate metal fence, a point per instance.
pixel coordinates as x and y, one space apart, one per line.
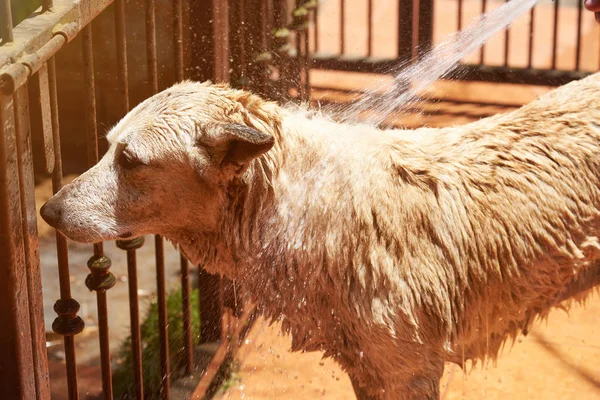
350 35
262 44
28 64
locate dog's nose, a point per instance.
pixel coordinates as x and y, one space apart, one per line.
51 213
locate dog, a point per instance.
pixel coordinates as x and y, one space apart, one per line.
392 251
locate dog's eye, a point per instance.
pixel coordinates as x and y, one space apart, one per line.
127 161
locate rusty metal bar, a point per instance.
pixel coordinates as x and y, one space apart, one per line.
578 46
100 278
242 40
233 329
306 61
31 247
186 308
68 323
185 278
121 40
6 27
221 39
425 25
555 33
134 313
506 43
261 78
469 72
482 51
281 19
47 5
405 29
151 45
301 61
178 39
67 18
165 383
531 33
342 27
45 117
16 380
16 74
129 245
460 15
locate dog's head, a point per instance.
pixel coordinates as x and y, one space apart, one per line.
167 167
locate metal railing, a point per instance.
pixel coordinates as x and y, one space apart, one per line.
28 60
542 27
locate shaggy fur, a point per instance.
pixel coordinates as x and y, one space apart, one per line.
392 251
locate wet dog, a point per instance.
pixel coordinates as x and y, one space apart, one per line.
391 251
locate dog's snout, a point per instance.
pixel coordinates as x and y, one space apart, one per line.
51 212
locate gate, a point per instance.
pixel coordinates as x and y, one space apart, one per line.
537 49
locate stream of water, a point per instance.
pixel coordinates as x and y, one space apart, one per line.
410 80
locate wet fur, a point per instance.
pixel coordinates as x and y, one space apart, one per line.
392 251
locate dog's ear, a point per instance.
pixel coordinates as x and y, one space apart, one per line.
237 144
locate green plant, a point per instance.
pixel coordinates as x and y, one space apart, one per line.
231 375
123 374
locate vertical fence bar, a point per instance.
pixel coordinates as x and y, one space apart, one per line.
185 272
16 380
578 46
121 39
531 33
306 59
30 241
68 323
221 35
129 245
151 45
555 33
178 39
100 278
186 308
165 387
242 37
506 43
6 24
482 52
165 383
262 67
301 62
405 29
425 25
282 59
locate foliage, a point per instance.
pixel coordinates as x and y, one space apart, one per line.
21 9
230 371
123 374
